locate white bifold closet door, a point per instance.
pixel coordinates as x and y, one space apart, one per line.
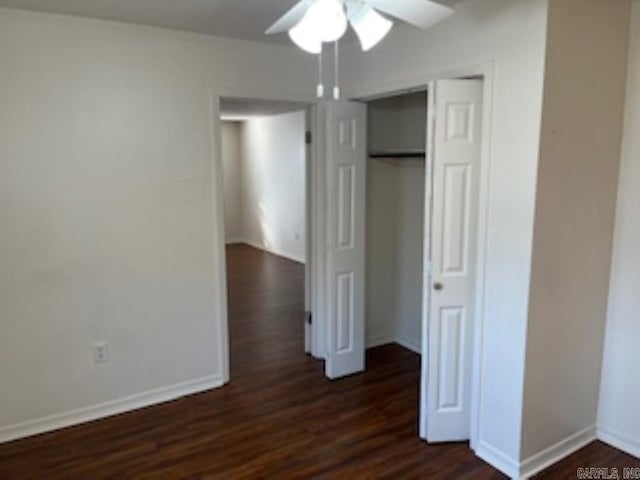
450 258
345 155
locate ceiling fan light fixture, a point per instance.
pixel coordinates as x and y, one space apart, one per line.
311 23
370 26
328 19
306 38
325 21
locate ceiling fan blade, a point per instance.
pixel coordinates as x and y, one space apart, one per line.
291 18
419 13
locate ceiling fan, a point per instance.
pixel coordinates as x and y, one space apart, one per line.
313 22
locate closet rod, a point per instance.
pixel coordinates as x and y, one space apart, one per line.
398 154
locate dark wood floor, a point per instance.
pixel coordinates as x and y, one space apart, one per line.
279 418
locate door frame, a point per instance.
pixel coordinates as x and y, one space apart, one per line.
486 72
217 198
317 331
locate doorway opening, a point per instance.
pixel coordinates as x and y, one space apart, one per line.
265 169
423 196
395 219
444 174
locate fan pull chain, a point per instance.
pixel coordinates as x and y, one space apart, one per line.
336 88
320 88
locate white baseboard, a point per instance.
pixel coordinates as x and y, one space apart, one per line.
379 340
274 251
409 344
497 459
619 441
544 459
385 339
233 241
107 409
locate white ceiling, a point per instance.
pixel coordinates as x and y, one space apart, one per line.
243 108
246 19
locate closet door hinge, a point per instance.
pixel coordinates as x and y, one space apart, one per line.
308 137
308 317
431 115
428 268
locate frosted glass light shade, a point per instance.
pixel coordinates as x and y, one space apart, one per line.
325 21
370 26
306 38
328 19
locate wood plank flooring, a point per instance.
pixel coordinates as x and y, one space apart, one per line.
278 418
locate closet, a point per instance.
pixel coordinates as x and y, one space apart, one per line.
395 219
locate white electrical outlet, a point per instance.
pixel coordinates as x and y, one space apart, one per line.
100 352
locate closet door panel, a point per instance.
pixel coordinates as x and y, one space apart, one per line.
345 157
450 267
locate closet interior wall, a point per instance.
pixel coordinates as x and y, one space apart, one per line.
395 219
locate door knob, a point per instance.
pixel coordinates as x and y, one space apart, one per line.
438 286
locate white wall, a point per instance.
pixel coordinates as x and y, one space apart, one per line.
619 414
397 123
107 210
395 219
381 252
273 184
510 35
575 209
409 241
231 172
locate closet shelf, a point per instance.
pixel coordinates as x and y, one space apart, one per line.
397 154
